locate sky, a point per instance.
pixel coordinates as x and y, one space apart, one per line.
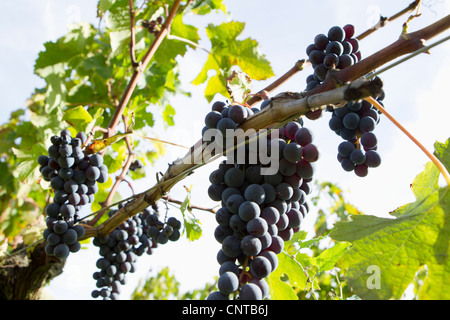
416 95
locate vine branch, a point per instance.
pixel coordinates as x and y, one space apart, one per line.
192 206
406 44
385 20
132 36
143 64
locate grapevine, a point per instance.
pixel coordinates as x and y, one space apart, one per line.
73 176
259 212
119 250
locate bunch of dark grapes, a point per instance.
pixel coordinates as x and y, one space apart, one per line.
355 123
136 165
73 175
120 249
338 49
260 212
153 26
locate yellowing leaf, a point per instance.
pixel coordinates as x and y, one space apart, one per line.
78 118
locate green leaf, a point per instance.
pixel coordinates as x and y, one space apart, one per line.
191 224
327 259
387 253
215 86
442 152
26 170
104 5
202 7
173 47
57 55
192 228
227 52
282 288
168 115
56 93
78 118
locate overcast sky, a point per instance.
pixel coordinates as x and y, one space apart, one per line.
416 94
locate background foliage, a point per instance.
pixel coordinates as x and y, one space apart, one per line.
84 74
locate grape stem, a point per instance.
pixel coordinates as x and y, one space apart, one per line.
172 200
142 65
384 20
432 157
425 49
132 37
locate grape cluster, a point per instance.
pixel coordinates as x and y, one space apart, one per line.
62 236
260 212
136 165
73 175
120 249
153 26
225 116
336 50
355 123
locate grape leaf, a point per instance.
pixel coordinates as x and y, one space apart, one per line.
26 169
78 118
202 7
282 288
386 253
327 259
168 114
98 145
171 48
103 6
192 228
227 52
57 55
191 224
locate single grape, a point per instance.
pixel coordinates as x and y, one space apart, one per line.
61 251
92 173
234 202
250 291
293 152
303 136
234 177
357 157
70 236
257 227
369 140
237 113
228 283
249 210
321 41
260 267
231 246
255 193
270 214
336 33
251 245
